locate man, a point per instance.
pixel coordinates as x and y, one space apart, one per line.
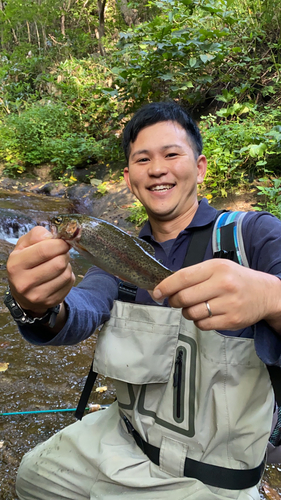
194 400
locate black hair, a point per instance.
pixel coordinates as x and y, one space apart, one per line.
162 111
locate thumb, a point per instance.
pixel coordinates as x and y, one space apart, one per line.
35 235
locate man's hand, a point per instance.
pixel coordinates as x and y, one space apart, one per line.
39 271
237 296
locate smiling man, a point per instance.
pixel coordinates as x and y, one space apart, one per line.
164 176
194 397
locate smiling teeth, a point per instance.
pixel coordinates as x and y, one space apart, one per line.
162 187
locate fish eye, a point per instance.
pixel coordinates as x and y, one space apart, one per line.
57 221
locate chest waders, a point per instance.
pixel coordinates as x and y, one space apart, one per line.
198 404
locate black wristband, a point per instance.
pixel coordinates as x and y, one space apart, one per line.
21 317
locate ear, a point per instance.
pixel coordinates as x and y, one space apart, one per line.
201 168
127 177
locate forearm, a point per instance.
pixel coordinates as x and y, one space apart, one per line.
273 317
84 309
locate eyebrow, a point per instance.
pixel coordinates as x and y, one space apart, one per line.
146 151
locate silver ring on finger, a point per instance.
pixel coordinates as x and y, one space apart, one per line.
209 309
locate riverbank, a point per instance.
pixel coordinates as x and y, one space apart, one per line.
113 202
84 197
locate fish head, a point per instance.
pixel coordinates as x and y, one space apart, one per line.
66 227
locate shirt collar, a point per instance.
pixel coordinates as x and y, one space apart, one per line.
203 216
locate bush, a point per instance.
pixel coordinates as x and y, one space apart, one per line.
239 148
45 134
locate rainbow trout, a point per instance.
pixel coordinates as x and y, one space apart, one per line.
111 249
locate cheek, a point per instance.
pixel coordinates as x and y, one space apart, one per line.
137 179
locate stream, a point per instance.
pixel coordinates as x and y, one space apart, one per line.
36 378
33 378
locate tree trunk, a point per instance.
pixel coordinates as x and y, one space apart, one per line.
100 31
44 36
129 15
37 34
14 33
2 31
62 24
65 9
28 32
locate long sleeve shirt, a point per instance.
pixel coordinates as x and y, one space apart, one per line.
89 304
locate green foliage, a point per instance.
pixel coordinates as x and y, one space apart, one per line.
240 148
102 188
138 215
271 193
46 133
62 102
174 54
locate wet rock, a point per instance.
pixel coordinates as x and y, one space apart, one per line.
84 174
83 197
50 189
5 250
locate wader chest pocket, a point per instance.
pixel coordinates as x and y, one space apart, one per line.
138 344
176 410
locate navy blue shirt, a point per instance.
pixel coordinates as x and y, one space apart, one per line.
89 304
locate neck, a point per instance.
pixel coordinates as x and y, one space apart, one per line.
164 230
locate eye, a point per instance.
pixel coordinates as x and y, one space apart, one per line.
57 221
170 155
142 160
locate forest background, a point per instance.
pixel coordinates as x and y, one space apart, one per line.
72 72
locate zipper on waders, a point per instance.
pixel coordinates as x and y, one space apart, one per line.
177 383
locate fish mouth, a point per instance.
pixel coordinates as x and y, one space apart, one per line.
75 234
66 233
161 188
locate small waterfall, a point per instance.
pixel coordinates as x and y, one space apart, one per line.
14 224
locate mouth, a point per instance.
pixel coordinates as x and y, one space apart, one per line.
160 188
75 234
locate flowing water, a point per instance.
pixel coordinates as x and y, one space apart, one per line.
45 378
36 378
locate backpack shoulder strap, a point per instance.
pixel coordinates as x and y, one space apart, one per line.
199 241
227 242
227 239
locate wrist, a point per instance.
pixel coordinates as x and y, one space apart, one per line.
273 316
24 317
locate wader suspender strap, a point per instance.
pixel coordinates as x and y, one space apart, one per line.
213 475
84 398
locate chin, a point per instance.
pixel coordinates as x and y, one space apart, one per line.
161 215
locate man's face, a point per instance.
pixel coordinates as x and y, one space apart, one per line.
162 171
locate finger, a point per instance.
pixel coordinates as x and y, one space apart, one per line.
201 311
45 273
195 295
205 322
59 289
36 234
182 279
36 254
45 295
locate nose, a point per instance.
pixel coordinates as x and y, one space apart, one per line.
157 167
